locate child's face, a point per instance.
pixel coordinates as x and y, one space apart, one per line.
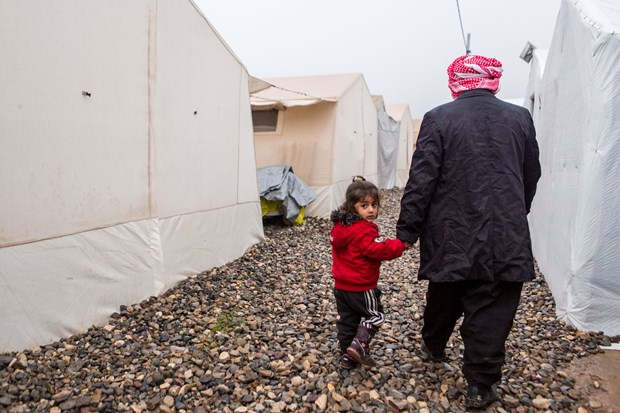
367 208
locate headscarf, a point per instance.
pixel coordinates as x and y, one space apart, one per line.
474 72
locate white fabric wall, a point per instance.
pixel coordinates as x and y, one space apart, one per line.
355 148
402 114
388 132
114 197
66 158
532 92
303 140
413 139
404 161
371 144
202 78
574 220
54 288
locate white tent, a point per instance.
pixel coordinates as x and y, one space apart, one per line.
126 159
416 131
388 141
325 127
532 91
574 221
407 137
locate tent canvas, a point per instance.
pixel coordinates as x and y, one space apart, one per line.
388 145
416 131
126 161
574 220
407 136
532 92
326 130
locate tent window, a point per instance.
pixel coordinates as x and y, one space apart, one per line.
265 120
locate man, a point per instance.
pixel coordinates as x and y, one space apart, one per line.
472 180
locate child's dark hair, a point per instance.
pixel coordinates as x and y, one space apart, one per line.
359 189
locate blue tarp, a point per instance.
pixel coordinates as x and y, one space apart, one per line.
279 183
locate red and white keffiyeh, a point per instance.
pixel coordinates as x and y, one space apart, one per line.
474 72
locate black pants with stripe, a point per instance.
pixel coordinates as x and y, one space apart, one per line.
355 308
488 310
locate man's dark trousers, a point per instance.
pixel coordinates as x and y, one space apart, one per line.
488 307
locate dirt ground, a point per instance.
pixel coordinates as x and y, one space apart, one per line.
598 377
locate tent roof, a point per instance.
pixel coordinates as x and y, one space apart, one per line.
603 14
217 34
378 101
396 110
540 56
304 90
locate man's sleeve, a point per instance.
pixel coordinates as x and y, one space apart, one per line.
531 166
423 176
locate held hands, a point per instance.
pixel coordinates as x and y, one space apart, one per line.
409 245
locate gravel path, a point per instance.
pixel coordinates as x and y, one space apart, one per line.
258 334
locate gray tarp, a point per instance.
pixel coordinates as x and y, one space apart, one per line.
388 131
279 183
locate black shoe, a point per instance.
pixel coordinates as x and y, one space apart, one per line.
359 351
435 357
347 362
479 397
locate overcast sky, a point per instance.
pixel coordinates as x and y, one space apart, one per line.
402 47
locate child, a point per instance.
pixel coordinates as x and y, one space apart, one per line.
357 252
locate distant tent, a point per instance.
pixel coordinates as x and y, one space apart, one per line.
325 127
532 91
574 221
126 159
416 131
407 136
388 140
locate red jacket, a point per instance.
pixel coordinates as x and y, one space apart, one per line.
357 252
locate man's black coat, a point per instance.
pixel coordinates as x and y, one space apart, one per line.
472 180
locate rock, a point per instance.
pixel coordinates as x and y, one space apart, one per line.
153 402
321 402
68 404
138 408
399 404
5 401
541 403
62 395
510 401
595 404
82 401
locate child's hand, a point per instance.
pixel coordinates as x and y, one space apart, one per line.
408 245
